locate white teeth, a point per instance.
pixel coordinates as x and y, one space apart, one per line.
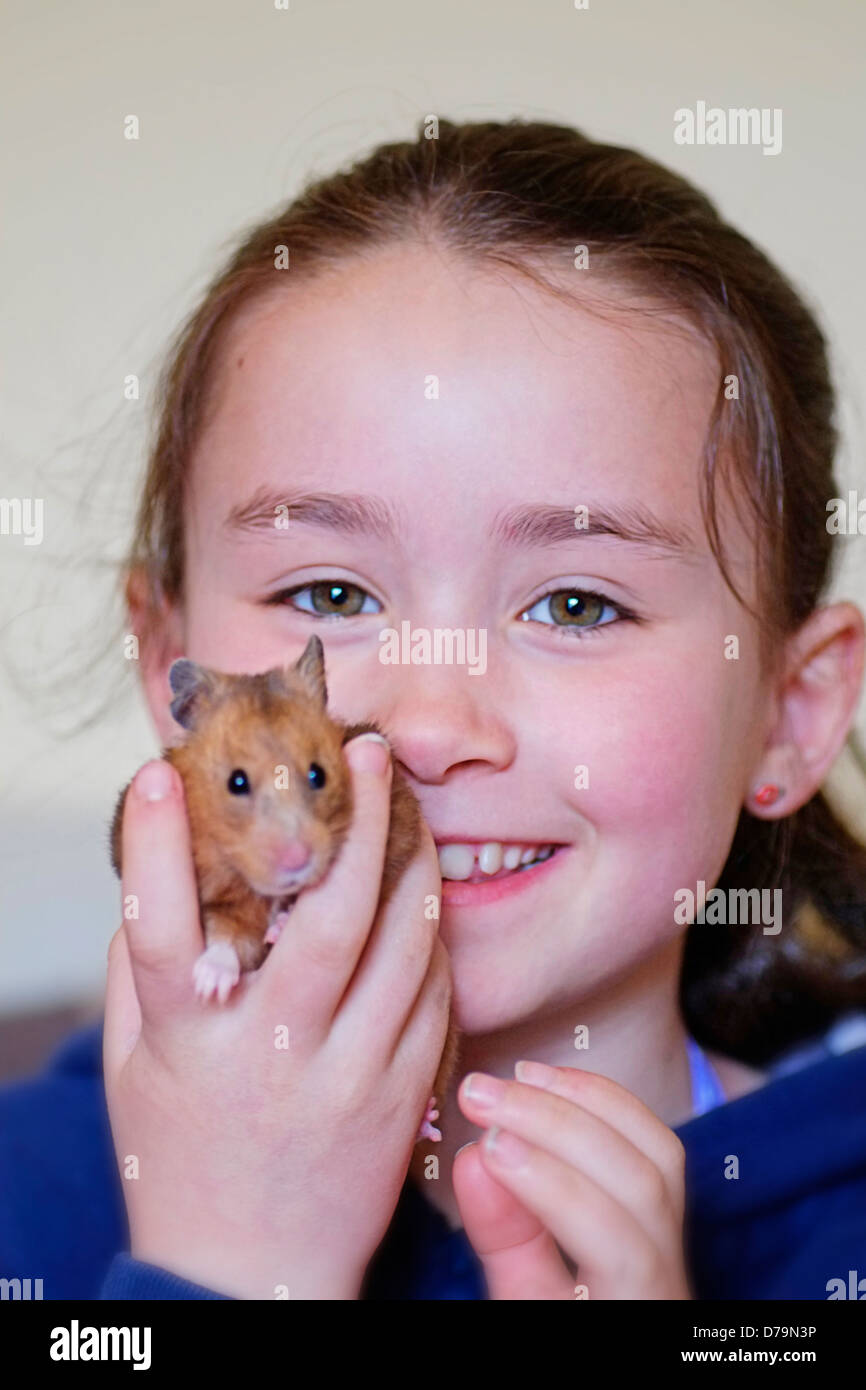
490 858
458 861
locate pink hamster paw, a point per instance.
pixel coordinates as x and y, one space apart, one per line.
428 1130
272 934
216 971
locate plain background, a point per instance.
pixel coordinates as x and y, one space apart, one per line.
107 244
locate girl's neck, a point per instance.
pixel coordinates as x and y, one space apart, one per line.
634 1033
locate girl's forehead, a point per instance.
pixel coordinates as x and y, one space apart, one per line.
368 330
411 361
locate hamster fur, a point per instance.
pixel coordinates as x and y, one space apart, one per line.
269 803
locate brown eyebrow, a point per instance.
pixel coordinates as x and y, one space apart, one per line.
524 526
349 513
537 525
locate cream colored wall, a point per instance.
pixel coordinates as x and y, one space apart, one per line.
108 241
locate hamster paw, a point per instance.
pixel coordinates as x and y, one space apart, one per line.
428 1130
273 932
216 971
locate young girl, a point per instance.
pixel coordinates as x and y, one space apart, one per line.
514 383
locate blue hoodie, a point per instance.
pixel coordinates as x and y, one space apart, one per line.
792 1221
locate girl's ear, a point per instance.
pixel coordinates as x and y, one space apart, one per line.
159 629
820 685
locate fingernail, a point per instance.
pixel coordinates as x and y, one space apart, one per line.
155 781
467 1145
483 1090
506 1148
369 753
535 1073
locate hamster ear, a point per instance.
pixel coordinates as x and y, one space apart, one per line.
192 685
310 666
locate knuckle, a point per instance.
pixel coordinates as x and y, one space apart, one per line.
147 954
347 1090
365 845
677 1155
654 1193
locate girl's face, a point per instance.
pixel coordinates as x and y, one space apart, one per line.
450 420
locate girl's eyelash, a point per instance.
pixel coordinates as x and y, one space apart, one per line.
280 597
624 614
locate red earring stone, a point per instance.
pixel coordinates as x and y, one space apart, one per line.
766 795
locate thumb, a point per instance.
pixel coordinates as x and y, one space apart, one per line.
160 894
518 1253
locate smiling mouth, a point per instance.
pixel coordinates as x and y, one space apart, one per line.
489 860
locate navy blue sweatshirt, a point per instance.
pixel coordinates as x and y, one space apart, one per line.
792 1221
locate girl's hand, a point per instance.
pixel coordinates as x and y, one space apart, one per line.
580 1163
256 1168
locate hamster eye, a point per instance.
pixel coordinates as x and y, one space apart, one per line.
316 776
239 782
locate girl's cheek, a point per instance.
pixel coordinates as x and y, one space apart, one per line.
231 637
653 752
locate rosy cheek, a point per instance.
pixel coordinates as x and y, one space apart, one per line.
650 754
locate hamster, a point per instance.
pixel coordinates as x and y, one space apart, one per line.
269 803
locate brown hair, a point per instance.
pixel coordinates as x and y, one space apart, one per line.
524 195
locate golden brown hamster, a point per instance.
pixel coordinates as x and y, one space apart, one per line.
269 803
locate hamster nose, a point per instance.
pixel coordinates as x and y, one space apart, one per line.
294 854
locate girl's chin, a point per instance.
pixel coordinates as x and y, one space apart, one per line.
457 894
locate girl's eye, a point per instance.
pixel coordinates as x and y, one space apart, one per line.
238 783
577 611
316 776
328 598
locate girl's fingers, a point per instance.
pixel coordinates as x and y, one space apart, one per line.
518 1253
122 1016
160 897
620 1109
583 1141
422 1035
315 957
396 958
615 1257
